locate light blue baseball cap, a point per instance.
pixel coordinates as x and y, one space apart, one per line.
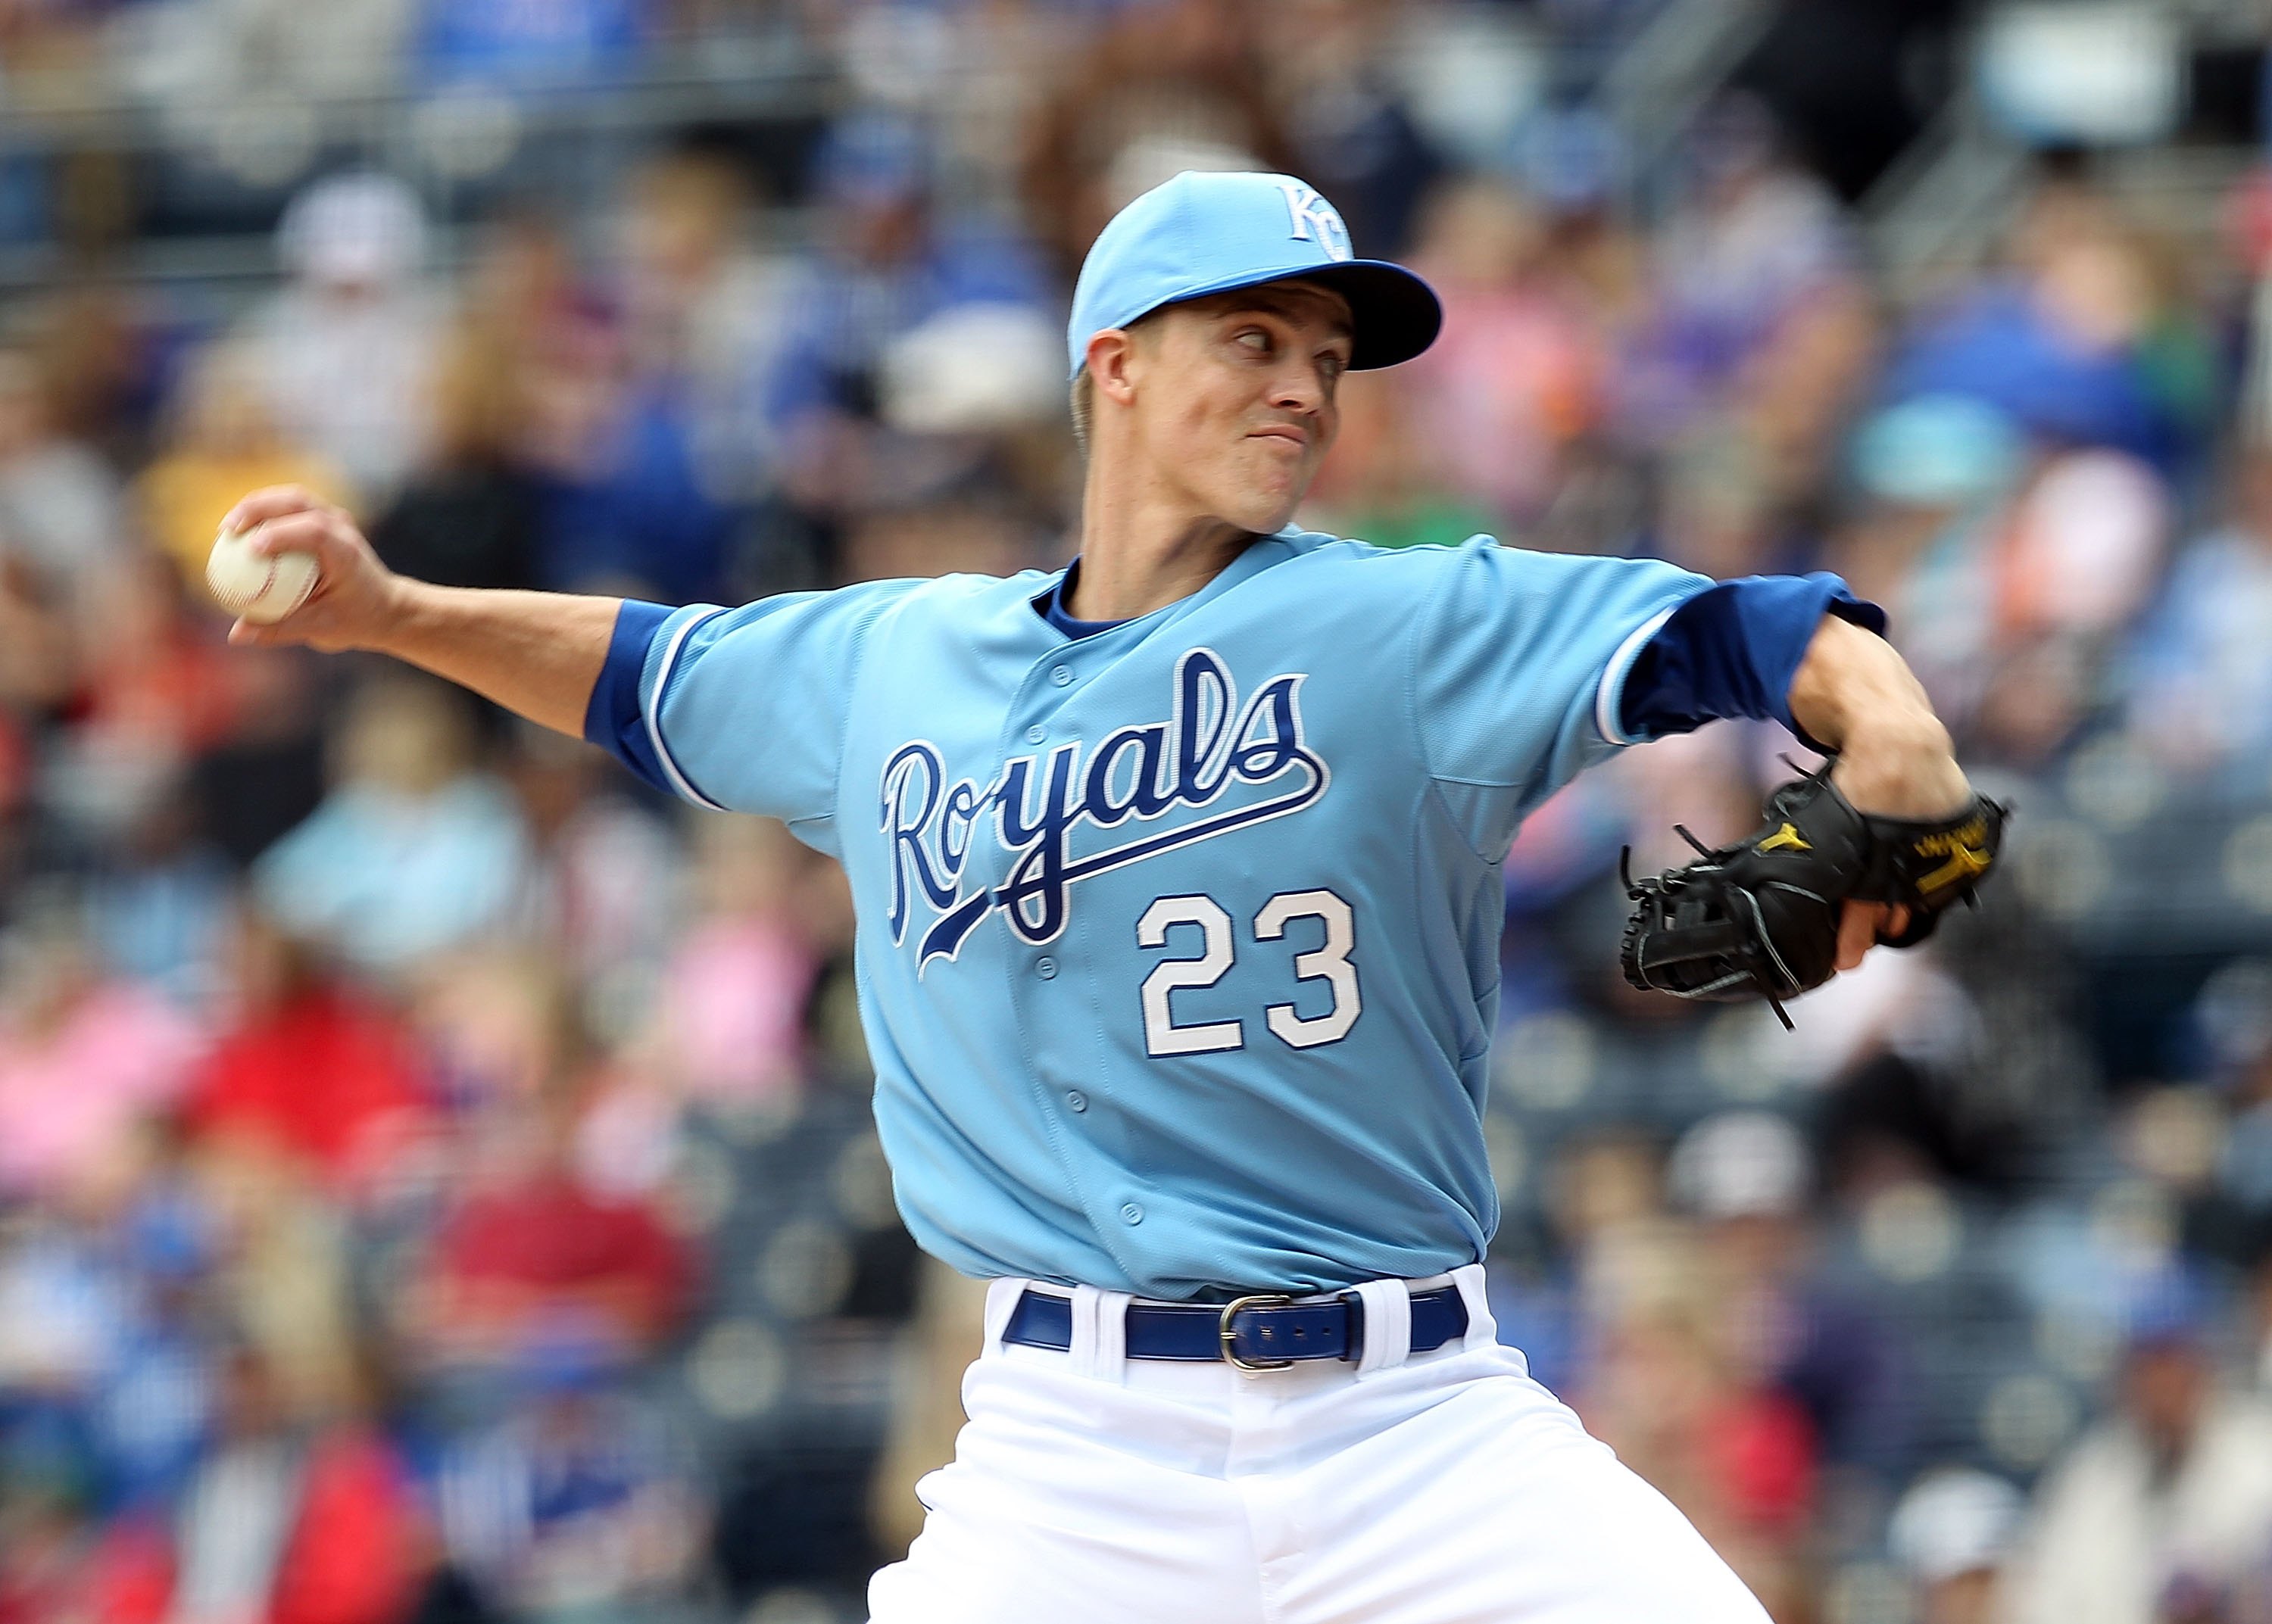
1208 233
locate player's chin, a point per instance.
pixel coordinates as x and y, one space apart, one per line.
1267 498
1265 515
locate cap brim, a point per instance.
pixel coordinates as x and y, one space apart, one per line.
1395 314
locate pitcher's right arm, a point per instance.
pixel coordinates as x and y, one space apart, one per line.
743 709
537 654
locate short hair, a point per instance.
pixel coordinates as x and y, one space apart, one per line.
1084 406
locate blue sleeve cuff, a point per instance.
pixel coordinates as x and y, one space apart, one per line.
1732 651
612 718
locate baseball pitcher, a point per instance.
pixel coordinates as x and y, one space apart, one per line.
1178 877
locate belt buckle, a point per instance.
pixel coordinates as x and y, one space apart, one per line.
1261 1300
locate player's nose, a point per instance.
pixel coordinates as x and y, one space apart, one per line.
1299 388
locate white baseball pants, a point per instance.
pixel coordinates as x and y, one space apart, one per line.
1435 1489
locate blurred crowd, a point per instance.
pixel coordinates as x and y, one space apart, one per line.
436 1179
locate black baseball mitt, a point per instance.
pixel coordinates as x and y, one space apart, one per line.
1760 919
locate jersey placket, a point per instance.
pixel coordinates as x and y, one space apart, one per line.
1051 983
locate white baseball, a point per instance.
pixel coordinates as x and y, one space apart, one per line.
262 590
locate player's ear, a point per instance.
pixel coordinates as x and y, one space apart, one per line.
1111 360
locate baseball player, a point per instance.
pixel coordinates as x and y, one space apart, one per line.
1177 877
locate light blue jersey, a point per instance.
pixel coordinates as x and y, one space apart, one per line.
1178 944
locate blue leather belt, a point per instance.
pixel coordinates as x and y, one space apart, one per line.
1262 1332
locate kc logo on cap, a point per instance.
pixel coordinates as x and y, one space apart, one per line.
1314 219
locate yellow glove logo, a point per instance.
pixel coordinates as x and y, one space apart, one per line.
1785 839
1964 846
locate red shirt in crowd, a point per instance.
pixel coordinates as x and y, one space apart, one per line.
322 1074
546 1252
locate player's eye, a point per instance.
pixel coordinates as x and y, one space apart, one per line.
1253 339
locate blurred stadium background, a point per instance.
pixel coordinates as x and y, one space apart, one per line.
436 1178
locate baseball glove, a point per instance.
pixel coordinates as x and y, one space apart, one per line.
1760 919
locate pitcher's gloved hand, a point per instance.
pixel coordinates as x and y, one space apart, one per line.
1760 919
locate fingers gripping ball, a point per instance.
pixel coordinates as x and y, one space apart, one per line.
1760 919
261 589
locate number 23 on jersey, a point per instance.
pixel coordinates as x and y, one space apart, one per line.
1329 963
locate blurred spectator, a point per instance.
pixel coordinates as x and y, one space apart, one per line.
2078 341
38 644
157 908
1903 1056
704 311
496 1023
2200 691
1952 1533
266 774
2260 1319
223 440
2233 1017
1757 243
294 1520
306 1066
86 1059
1720 515
2173 1491
668 433
470 516
1745 1176
2009 573
197 61
606 878
346 351
552 466
291 1519
552 45
102 1351
1658 1376
49 1538
414 850
975 369
156 691
280 1270
1380 483
945 537
576 1504
523 386
2074 561
2084 547
101 361
1927 469
1736 1457
1518 377
973 401
533 1266
733 1005
891 255
1334 68
61 510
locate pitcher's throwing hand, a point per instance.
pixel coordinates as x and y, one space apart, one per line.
355 596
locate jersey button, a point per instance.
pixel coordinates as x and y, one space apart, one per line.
1046 968
1076 1099
1062 676
1132 1214
1036 734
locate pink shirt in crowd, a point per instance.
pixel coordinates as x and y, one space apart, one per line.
69 1094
